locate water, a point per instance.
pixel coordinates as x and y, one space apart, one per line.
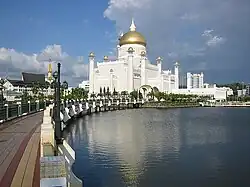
163 147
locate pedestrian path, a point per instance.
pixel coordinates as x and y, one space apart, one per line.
20 152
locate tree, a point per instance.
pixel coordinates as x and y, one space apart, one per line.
104 91
140 95
34 88
159 95
133 94
115 92
46 85
92 95
108 93
77 94
100 90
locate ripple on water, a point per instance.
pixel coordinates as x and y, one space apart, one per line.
150 147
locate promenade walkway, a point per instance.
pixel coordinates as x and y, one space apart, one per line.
20 151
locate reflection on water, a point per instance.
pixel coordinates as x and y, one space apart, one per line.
150 147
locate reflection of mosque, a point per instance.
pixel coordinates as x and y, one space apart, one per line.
130 144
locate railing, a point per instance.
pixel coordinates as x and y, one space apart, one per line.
170 104
14 110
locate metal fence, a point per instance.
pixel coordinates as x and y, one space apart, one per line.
14 110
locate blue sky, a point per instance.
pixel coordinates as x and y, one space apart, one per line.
79 26
208 36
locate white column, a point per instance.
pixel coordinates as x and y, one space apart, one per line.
189 80
111 81
91 72
176 73
143 68
130 70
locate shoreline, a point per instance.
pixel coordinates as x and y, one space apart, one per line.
159 106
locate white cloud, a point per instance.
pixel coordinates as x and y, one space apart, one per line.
213 40
207 32
73 69
165 21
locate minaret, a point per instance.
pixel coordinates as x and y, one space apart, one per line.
130 70
50 71
132 26
143 68
159 64
176 73
91 72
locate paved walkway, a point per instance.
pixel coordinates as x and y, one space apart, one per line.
20 152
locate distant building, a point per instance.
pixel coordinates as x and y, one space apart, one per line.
248 89
212 91
13 88
84 85
195 80
242 92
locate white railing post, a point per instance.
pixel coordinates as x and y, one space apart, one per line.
7 111
19 112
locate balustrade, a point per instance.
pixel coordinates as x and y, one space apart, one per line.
13 110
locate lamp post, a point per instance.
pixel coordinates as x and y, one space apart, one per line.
1 92
57 104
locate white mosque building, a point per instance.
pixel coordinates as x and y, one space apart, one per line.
132 69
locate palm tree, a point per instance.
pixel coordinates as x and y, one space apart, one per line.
104 91
100 91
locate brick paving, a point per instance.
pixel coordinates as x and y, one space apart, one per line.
20 151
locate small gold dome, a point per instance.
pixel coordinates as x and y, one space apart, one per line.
143 53
105 57
132 37
91 54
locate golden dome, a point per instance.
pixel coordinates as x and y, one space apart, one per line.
105 58
91 54
132 37
143 53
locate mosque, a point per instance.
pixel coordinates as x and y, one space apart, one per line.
132 68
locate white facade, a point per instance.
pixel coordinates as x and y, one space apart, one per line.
213 91
242 92
195 80
132 69
84 85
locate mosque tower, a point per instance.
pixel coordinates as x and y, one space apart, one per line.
50 71
176 74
